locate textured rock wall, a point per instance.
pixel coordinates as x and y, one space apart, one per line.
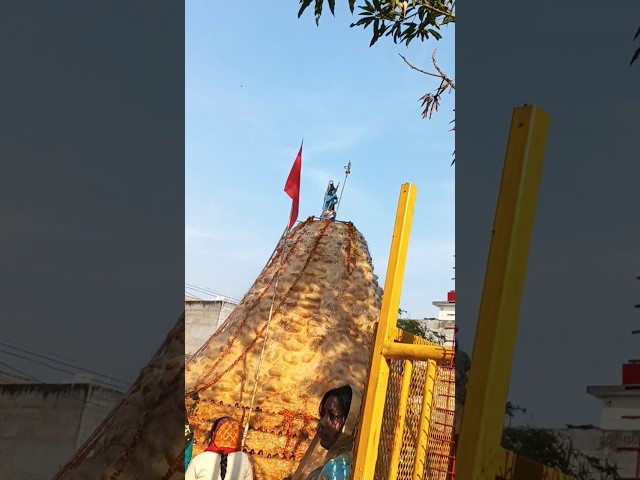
320 335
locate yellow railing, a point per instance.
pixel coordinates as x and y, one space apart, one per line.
480 454
396 438
396 420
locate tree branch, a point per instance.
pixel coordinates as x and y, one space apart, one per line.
442 75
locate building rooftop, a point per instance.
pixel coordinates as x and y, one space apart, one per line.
601 391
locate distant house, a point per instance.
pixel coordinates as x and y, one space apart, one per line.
202 319
44 424
616 439
442 327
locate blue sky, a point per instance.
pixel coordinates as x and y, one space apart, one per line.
260 82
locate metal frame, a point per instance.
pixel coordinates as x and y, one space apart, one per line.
496 332
390 342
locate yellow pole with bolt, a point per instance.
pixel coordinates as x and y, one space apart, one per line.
479 450
368 436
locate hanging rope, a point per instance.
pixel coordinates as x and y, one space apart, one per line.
264 344
255 385
241 324
232 317
199 387
310 256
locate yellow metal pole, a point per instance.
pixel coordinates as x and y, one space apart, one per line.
479 449
403 351
402 414
425 422
366 445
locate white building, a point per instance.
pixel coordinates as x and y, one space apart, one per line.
444 324
202 318
620 407
617 437
42 425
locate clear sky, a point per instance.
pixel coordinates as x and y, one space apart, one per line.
260 82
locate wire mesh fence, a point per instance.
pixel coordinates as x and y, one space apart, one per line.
440 438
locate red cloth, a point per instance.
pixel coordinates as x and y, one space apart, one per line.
221 451
226 438
292 188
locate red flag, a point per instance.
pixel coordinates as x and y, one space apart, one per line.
292 187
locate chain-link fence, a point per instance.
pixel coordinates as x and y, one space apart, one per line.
439 448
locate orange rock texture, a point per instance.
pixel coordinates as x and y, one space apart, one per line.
326 302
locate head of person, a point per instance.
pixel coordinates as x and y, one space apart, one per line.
334 410
226 433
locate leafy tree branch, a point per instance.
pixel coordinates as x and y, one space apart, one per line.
403 21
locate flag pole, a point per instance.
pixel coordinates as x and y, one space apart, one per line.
346 174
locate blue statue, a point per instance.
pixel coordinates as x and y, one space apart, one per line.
330 200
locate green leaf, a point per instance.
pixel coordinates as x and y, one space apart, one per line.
352 4
435 34
318 10
332 7
303 6
376 27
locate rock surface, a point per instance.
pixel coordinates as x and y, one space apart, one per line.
326 303
143 436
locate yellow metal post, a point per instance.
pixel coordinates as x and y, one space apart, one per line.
425 420
416 352
479 452
402 413
366 445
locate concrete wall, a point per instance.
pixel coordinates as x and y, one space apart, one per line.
442 328
6 377
42 425
604 445
614 408
202 319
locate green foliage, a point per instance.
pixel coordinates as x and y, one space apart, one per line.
419 329
539 445
512 410
554 450
546 446
402 20
411 326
